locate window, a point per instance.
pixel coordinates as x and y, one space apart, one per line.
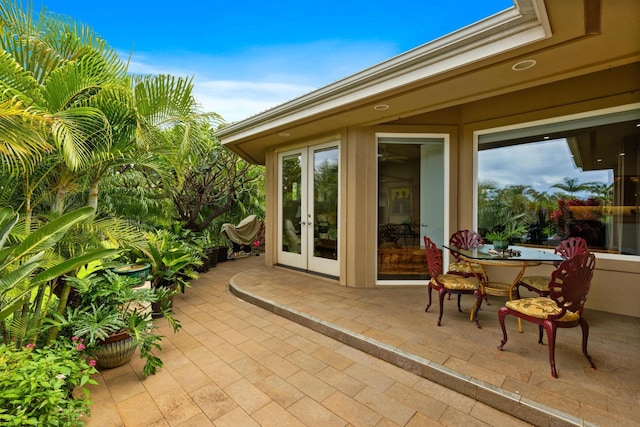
575 178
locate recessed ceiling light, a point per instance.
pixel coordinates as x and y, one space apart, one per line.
523 65
381 107
598 160
284 134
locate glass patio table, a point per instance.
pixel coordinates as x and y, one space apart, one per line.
519 257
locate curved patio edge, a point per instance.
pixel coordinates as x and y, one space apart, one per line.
496 397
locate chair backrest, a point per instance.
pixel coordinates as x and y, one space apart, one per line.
571 281
571 247
465 239
434 258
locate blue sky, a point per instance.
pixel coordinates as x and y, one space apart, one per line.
249 56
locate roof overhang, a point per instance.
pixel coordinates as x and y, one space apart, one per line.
462 66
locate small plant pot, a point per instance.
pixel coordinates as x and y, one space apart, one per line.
206 264
500 245
116 350
139 271
223 253
156 307
213 256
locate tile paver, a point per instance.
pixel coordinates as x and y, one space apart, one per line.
237 364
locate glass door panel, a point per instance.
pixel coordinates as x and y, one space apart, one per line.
291 208
411 204
324 180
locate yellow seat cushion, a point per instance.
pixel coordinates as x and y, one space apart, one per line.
455 282
465 267
540 308
537 282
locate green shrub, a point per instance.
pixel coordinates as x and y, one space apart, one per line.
37 385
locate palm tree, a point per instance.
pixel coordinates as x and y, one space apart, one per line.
571 186
601 191
55 80
98 119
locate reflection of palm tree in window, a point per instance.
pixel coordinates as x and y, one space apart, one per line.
571 186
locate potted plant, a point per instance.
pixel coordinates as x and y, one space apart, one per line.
113 318
172 265
212 247
501 236
137 269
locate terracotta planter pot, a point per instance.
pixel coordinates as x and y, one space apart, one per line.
115 351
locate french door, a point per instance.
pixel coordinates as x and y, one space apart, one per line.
308 226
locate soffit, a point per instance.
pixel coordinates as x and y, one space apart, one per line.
416 83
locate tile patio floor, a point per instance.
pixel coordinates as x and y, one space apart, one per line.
237 363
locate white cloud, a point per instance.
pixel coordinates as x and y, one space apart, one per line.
249 82
538 165
242 99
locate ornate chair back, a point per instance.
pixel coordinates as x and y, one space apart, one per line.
465 239
434 258
567 249
571 247
570 283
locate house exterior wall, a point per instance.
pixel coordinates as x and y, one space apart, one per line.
615 279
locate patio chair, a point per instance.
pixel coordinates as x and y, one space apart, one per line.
540 284
446 284
466 239
568 290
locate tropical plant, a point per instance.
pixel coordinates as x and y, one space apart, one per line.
61 80
39 386
571 186
108 304
512 230
172 260
70 116
29 264
215 181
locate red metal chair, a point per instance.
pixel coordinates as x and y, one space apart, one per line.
568 291
567 249
448 283
466 239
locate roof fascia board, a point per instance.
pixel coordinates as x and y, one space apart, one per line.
524 23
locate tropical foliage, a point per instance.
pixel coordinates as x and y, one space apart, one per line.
39 386
96 165
577 209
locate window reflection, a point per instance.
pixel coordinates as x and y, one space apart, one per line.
580 181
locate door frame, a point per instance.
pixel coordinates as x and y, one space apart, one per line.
305 260
446 138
